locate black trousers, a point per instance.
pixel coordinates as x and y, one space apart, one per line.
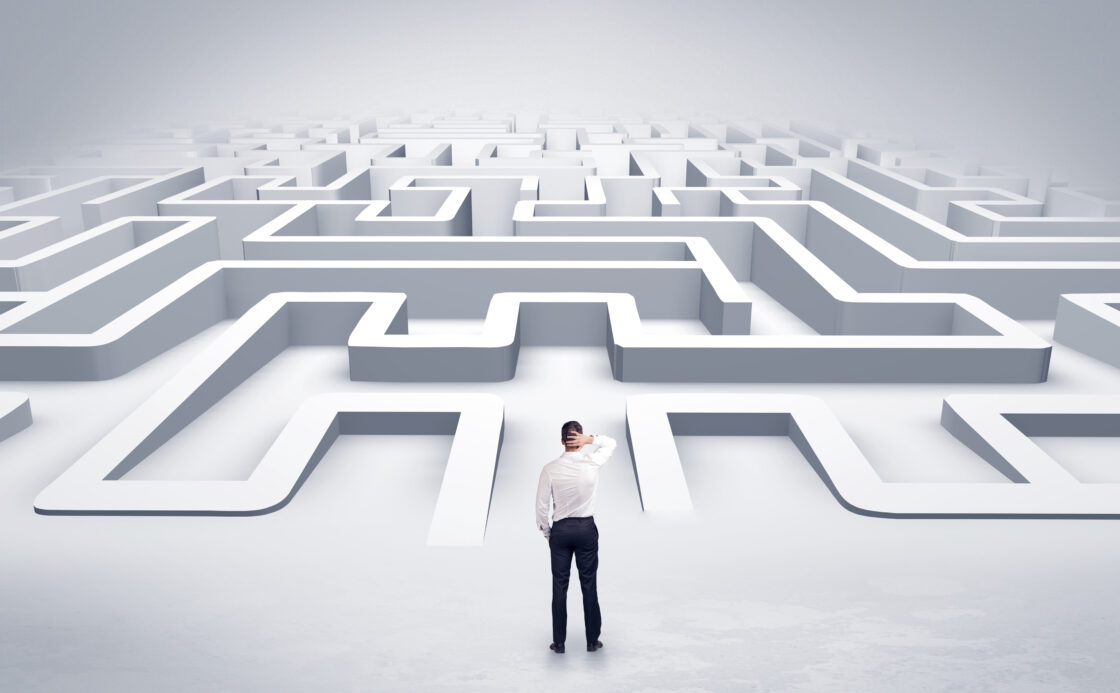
579 536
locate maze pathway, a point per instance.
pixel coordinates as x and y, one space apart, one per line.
657 241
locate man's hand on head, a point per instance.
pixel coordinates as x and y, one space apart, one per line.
575 439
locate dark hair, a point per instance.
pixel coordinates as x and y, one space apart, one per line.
567 428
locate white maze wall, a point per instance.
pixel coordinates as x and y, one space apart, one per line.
701 258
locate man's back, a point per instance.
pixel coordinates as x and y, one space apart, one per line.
572 480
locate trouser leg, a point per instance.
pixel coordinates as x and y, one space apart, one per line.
561 550
587 563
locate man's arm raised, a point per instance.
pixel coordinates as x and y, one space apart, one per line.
605 445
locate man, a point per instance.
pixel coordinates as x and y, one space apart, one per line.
571 481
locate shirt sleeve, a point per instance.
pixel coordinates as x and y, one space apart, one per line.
604 447
544 495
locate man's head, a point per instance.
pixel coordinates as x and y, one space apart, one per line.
568 429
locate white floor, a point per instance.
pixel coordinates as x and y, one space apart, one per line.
771 586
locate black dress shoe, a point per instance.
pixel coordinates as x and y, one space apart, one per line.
558 649
594 646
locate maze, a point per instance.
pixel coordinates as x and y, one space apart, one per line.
735 275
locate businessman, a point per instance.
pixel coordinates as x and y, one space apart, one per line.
571 480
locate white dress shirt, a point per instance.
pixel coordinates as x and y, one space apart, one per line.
571 480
